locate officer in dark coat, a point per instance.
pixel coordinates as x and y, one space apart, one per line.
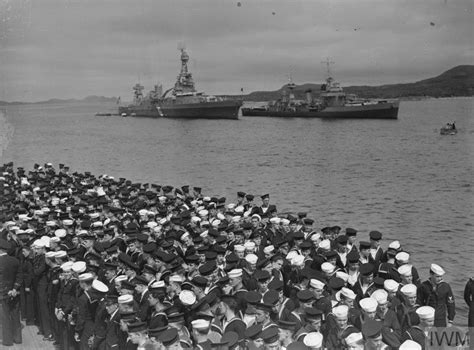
437 294
10 282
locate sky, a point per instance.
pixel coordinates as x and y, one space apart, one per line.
77 48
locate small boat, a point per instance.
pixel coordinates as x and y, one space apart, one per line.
447 131
104 114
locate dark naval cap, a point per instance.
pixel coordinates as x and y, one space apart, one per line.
375 235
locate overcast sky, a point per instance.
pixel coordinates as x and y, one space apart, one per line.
75 48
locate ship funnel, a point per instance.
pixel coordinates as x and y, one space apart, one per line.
309 96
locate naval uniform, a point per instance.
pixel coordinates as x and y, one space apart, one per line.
10 278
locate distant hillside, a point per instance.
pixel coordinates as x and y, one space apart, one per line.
88 99
458 81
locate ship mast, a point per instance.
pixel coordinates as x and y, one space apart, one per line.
184 82
328 66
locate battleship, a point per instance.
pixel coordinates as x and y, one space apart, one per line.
181 101
333 103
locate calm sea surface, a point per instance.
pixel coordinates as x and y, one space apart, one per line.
399 177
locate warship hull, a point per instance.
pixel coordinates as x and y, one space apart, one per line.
388 110
200 110
137 111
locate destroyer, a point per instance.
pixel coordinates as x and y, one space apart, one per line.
334 103
181 101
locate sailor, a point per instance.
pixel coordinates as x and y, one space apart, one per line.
436 293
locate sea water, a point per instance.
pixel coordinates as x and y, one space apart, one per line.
400 177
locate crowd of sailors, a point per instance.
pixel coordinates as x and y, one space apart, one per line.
102 263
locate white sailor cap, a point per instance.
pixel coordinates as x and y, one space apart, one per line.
340 311
381 296
79 266
187 297
348 293
239 209
394 245
204 234
176 278
45 210
315 237
163 221
231 206
410 345
67 266
162 198
216 223
51 223
97 224
409 290
99 286
203 213
67 222
86 277
391 285
38 244
125 299
437 270
425 312
249 245
353 338
234 273
291 255
94 215
327 267
257 217
342 275
368 304
268 249
275 220
38 212
206 199
298 260
50 255
184 236
236 218
23 217
239 248
402 257
195 219
220 216
285 222
152 224
158 284
325 244
143 212
405 270
60 254
53 239
251 258
316 284
82 233
200 324
10 223
313 340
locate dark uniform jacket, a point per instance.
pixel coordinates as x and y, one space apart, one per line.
441 298
10 277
